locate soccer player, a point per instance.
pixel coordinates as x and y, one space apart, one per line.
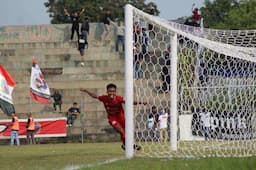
114 108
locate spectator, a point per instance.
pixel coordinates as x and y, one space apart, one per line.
107 16
203 74
163 118
205 121
196 18
166 78
165 74
119 34
15 129
138 60
85 29
73 112
82 42
136 33
57 97
152 122
144 38
30 129
75 21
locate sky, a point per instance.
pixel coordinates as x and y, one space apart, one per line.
33 12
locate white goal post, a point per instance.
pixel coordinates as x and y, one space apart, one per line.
200 86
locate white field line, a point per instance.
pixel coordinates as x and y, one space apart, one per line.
75 167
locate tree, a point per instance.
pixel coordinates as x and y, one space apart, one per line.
229 14
94 8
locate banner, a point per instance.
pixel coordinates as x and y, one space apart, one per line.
50 127
39 90
7 84
224 124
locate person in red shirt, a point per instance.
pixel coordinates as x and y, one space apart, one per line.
114 107
196 17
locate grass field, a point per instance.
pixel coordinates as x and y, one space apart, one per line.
104 156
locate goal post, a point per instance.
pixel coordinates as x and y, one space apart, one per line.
129 124
173 93
200 86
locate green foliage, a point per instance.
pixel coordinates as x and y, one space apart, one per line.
229 14
94 9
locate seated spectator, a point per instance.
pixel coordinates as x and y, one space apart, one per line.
57 100
73 112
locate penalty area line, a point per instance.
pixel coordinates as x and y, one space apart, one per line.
75 167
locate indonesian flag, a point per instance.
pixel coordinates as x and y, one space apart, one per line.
39 90
7 84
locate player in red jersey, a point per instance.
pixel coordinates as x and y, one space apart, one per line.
114 108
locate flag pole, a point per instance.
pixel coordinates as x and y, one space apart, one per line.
30 104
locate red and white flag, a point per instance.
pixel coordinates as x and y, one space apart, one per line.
7 84
39 89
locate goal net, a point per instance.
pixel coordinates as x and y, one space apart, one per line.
202 83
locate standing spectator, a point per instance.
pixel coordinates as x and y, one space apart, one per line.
205 121
196 18
82 42
114 108
153 116
136 33
119 34
144 38
107 16
73 112
15 130
75 21
138 61
163 118
85 29
30 129
57 97
166 78
165 74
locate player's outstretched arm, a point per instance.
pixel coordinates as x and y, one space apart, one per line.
66 12
81 11
89 93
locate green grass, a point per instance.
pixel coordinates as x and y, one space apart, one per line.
95 156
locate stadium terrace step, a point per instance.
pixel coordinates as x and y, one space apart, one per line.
59 61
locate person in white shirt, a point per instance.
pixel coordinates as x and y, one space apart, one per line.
119 26
205 120
163 118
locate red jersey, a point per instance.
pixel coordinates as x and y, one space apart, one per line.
114 106
196 15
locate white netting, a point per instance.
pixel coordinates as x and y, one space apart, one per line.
216 88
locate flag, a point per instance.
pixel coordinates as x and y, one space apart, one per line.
7 84
39 90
